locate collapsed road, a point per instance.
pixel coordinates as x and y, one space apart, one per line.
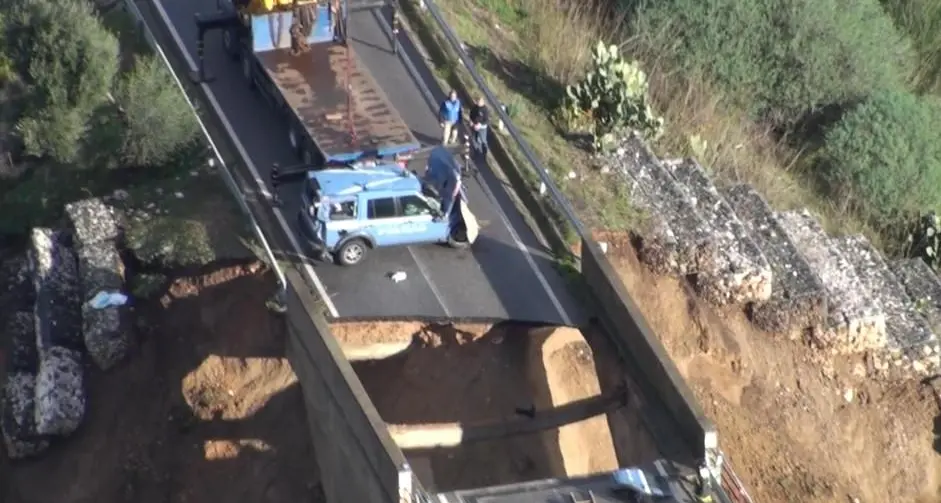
506 275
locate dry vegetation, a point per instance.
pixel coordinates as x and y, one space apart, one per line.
788 427
527 54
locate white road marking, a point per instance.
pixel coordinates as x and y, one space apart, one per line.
525 250
305 268
431 285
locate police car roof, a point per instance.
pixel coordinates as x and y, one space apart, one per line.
348 181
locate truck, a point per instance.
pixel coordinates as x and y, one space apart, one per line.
297 54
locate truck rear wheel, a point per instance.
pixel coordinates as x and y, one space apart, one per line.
295 141
351 252
228 43
247 72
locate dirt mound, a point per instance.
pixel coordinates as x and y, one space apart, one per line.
207 409
472 376
562 371
793 431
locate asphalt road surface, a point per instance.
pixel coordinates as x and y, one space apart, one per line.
506 275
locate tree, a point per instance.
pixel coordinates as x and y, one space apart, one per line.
782 58
886 153
158 121
67 62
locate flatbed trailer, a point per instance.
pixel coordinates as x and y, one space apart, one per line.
336 110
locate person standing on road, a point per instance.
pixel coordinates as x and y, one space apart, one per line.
480 121
450 116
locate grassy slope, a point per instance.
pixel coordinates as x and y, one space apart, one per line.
529 52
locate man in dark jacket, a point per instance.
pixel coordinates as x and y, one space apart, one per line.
480 123
449 114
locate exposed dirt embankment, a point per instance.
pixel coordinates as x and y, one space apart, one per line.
449 382
205 409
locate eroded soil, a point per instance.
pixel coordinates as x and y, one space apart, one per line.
795 429
480 374
207 409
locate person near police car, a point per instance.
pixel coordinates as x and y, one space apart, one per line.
480 122
449 115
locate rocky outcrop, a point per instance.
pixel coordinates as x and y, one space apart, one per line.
93 221
18 419
55 278
911 344
855 322
740 273
674 240
60 393
97 229
105 334
798 299
17 403
924 288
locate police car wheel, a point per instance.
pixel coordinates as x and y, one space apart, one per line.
458 238
352 252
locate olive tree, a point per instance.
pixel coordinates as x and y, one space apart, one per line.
66 61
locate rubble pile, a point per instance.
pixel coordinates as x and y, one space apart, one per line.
93 221
855 322
59 393
798 299
55 278
924 288
17 405
911 343
97 230
20 434
675 240
51 324
741 272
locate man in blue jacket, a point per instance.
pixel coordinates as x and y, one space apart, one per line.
450 116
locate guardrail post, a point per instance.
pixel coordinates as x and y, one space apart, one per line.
396 24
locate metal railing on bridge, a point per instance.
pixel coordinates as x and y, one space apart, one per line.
730 483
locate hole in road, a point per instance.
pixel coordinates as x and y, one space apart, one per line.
480 405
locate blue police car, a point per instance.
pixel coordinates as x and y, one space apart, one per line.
348 211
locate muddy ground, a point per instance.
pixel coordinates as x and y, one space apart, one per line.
207 409
796 430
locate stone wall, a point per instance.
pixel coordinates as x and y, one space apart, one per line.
790 275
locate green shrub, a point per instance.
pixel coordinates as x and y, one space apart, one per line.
158 121
781 58
67 60
170 242
921 21
886 153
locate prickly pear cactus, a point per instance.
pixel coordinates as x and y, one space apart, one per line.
926 240
612 97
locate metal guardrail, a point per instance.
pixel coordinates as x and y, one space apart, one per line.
731 485
558 199
223 169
